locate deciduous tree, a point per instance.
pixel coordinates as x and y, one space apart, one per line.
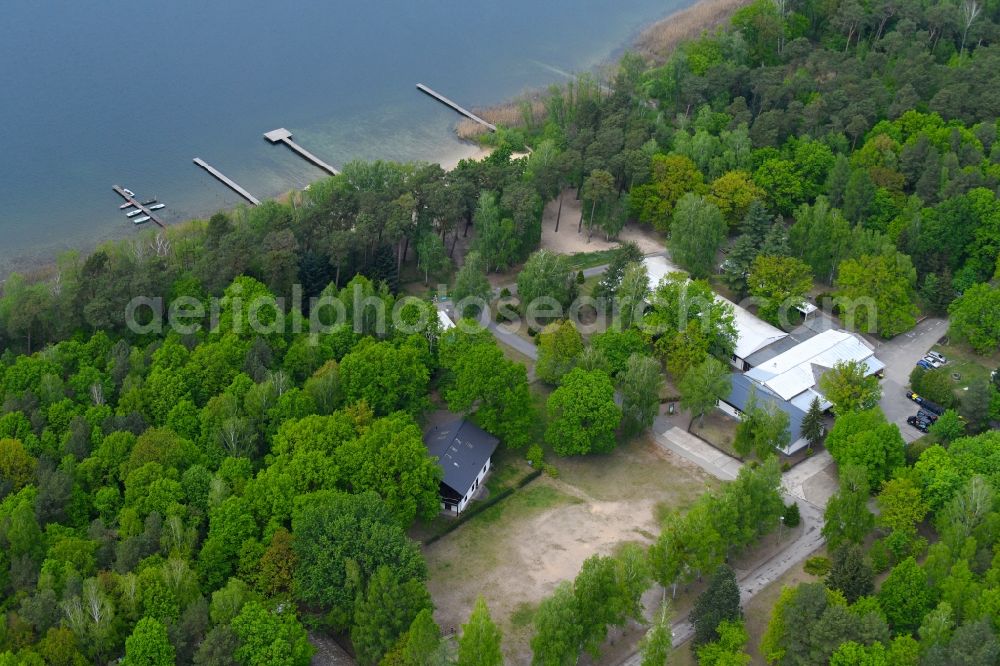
696 232
582 414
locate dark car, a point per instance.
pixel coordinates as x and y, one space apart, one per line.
927 416
932 407
923 425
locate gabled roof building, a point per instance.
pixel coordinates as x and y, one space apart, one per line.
465 453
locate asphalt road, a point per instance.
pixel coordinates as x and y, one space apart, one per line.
900 355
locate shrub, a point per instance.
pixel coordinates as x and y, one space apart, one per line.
535 456
935 385
505 292
579 277
792 517
552 471
817 566
880 556
785 466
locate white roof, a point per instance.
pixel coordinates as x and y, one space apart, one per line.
752 333
795 371
445 320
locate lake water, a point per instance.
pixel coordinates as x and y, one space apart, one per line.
125 92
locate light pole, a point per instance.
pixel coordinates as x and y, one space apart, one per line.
781 527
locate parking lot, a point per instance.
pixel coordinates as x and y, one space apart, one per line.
900 355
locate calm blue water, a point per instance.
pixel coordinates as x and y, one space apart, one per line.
126 92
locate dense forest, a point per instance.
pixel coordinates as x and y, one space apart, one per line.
205 497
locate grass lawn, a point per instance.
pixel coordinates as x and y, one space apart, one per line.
581 260
719 430
970 366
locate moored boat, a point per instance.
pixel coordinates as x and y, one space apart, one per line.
157 206
141 220
133 213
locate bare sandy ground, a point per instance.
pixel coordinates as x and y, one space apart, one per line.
541 535
568 241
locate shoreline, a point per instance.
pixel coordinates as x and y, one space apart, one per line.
651 41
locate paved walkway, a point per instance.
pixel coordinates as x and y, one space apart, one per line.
686 445
796 483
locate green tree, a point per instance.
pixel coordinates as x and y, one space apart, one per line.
729 649
851 574
558 637
762 429
734 192
640 386
632 294
582 414
813 426
431 254
387 376
948 427
270 638
546 275
485 383
975 318
846 518
780 284
849 387
821 236
905 596
340 541
559 347
421 646
719 602
703 386
671 176
901 508
148 645
388 608
598 190
479 644
472 291
696 234
876 293
657 643
17 466
865 438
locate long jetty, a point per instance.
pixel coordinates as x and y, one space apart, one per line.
135 202
231 184
457 107
281 135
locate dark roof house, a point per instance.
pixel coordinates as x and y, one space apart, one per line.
464 452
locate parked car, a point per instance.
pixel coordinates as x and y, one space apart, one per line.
920 424
937 356
932 407
929 416
933 361
925 365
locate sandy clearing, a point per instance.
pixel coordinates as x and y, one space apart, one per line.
540 536
568 241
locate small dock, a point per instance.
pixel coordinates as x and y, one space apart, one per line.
281 135
457 107
231 184
135 202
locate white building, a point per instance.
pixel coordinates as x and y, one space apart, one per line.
464 452
794 373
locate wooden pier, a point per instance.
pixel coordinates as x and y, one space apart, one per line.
461 109
135 202
226 181
281 135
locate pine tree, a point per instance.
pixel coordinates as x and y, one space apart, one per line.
850 573
812 424
720 601
479 644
